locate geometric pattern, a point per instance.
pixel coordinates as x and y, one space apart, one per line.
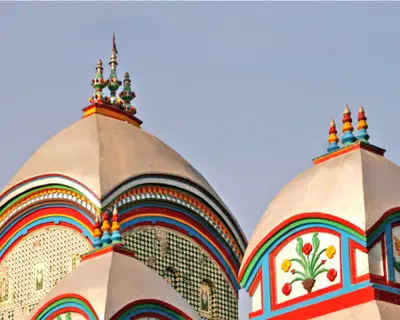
35 265
186 266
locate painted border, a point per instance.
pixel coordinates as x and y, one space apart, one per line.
258 280
353 246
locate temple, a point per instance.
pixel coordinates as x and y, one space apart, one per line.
107 222
328 246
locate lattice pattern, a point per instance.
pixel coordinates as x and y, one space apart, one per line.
162 249
35 265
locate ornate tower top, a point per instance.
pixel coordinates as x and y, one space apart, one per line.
347 129
362 126
333 139
112 106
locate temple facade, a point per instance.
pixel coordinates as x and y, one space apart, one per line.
104 202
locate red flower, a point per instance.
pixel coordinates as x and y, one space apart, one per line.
287 289
331 275
292 271
307 248
323 261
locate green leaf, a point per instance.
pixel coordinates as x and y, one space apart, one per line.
316 259
320 271
316 269
297 279
299 262
299 247
300 273
315 242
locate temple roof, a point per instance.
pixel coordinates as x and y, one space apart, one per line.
101 152
358 186
111 281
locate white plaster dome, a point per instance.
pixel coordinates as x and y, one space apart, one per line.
101 152
358 186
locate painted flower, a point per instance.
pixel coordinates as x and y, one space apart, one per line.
286 264
323 261
293 271
331 275
307 248
330 252
287 289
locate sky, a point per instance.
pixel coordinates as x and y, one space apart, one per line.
244 91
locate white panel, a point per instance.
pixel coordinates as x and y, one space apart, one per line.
361 263
256 299
375 260
396 251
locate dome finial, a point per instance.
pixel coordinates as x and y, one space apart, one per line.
98 83
333 138
105 227
362 126
113 82
116 235
97 234
347 129
127 94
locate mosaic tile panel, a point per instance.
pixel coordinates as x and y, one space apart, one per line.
35 265
187 267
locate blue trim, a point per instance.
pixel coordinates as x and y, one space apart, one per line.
55 219
389 252
132 313
346 278
386 288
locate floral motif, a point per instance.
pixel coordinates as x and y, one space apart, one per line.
286 264
331 275
330 252
287 289
311 264
307 248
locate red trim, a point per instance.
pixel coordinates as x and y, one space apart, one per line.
118 248
68 309
272 263
256 282
353 246
374 277
291 220
329 306
151 315
37 214
344 150
64 296
144 301
386 214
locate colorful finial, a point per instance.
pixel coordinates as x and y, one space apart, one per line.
333 138
113 82
362 126
127 94
116 235
97 234
347 129
98 83
105 228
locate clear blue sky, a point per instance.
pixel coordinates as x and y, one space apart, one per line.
244 91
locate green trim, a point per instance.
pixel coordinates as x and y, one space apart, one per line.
261 251
59 303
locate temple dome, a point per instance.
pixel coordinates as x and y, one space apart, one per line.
358 186
112 280
101 152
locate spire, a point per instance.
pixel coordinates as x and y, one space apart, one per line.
347 129
333 139
97 234
113 82
105 227
362 126
127 95
98 83
116 235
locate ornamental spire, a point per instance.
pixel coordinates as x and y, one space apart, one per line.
116 235
333 138
97 234
362 126
105 227
113 82
347 129
98 83
127 95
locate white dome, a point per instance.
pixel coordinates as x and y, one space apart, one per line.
358 186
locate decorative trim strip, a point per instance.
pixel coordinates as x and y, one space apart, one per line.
353 246
258 280
66 302
143 308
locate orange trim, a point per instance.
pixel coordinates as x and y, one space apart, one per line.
355 146
257 281
112 248
112 112
353 246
